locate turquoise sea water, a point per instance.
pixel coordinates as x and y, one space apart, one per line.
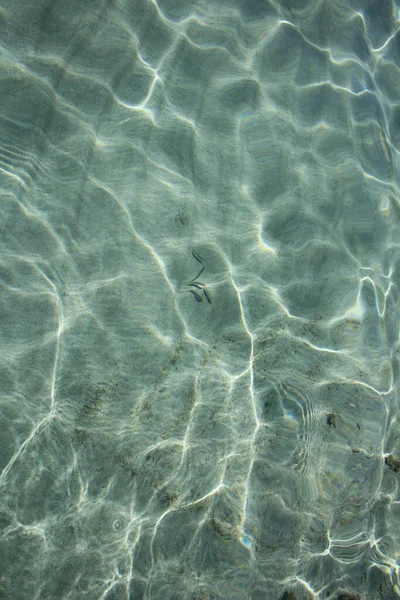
199 288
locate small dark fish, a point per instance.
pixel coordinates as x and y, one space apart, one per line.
205 292
196 295
196 284
197 256
198 275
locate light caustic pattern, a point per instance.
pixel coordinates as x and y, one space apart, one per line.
238 441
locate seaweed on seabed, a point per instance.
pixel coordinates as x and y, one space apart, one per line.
288 596
331 419
93 398
393 463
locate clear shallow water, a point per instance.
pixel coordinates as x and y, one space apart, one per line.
155 445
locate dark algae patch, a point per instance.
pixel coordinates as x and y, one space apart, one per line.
393 463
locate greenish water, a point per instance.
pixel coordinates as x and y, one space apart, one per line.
199 321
